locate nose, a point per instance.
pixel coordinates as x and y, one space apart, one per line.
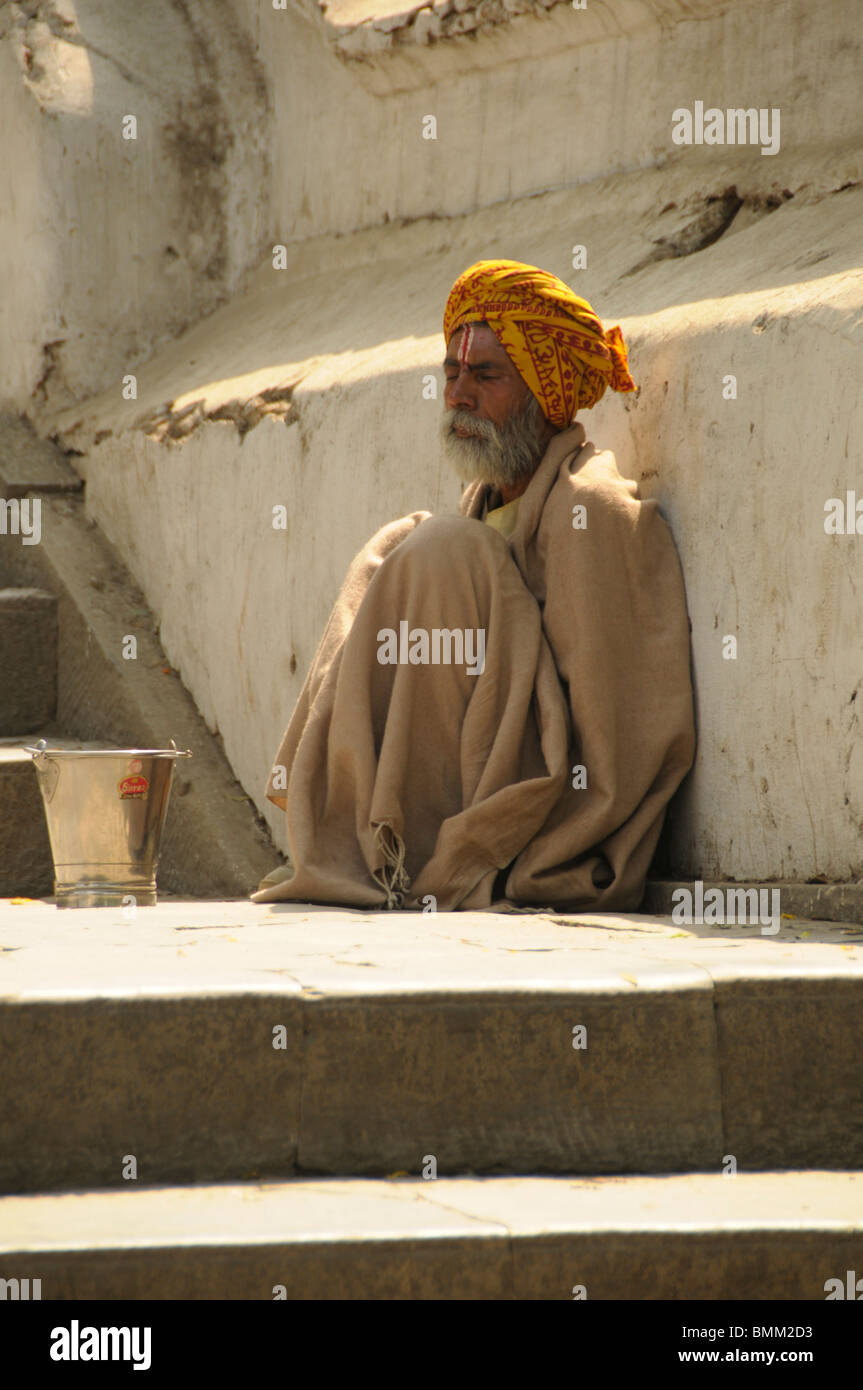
459 393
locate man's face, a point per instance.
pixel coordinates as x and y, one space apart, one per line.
486 384
493 428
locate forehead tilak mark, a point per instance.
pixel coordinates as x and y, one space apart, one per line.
465 344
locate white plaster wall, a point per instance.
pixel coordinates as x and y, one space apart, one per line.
545 102
108 246
777 791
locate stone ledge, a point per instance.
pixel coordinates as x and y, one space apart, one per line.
823 902
760 1235
407 1034
359 30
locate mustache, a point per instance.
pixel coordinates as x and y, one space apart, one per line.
472 425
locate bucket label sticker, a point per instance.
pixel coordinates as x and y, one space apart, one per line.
136 765
133 787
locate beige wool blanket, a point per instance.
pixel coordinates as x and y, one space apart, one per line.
550 750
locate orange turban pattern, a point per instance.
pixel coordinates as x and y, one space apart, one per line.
553 339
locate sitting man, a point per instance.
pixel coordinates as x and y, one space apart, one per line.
500 707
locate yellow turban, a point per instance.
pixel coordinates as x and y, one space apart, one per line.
553 339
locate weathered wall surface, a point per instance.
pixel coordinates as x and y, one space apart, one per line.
549 99
258 125
108 245
309 389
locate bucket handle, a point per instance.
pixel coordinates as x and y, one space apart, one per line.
48 772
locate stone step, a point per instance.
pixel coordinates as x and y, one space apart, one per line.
215 1041
692 1236
28 659
26 867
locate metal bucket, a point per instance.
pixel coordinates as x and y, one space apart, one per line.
105 810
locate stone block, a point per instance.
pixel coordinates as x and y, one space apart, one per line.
191 1088
28 660
791 1057
490 1083
26 867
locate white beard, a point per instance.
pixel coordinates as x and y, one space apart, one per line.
502 456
